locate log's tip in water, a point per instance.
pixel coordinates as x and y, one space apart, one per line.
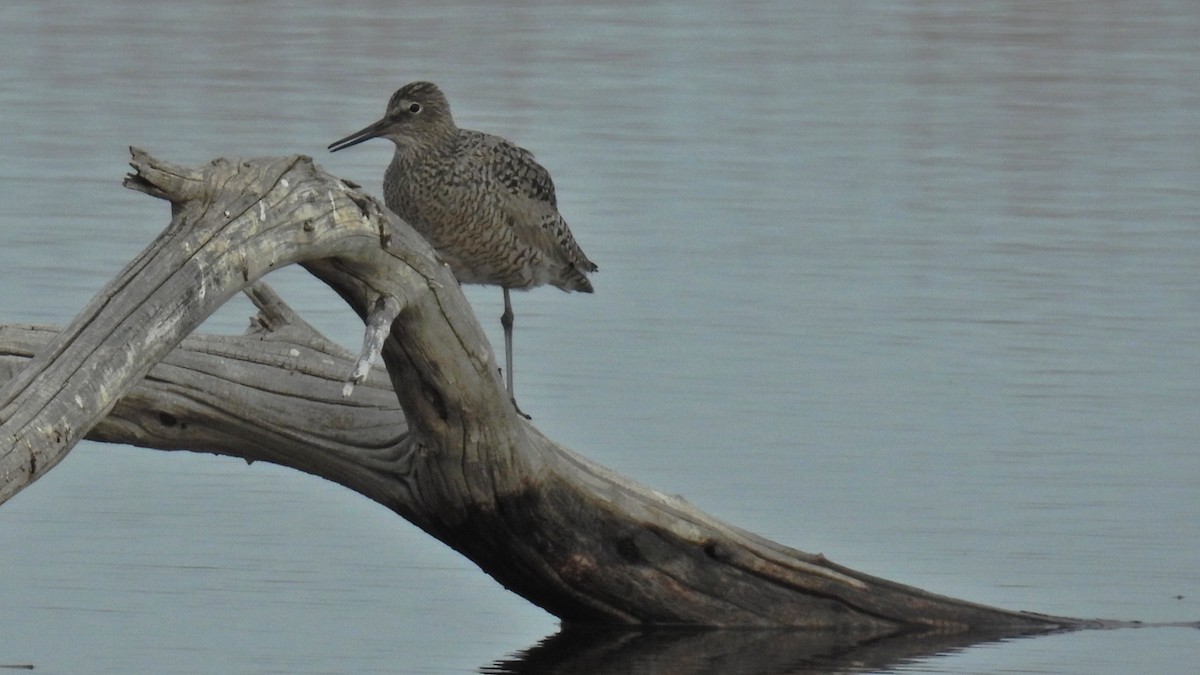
577 539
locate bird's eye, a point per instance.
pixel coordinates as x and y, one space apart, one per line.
414 108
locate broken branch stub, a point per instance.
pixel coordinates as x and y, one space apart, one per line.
232 222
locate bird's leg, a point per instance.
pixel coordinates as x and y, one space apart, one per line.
506 320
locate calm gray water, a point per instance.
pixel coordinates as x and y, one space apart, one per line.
915 284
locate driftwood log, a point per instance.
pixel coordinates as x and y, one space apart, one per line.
582 542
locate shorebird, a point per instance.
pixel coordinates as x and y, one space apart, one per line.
481 201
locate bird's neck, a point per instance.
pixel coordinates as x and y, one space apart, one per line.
432 141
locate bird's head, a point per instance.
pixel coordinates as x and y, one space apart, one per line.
417 114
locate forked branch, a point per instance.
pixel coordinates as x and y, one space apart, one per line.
569 535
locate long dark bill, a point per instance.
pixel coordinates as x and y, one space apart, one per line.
365 134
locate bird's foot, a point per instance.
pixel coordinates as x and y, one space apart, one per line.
518 408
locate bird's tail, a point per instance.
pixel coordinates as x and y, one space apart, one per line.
573 279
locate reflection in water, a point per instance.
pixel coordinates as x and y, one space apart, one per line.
597 651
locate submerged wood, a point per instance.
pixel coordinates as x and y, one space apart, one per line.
586 544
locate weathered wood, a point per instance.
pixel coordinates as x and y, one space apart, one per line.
571 536
218 241
271 395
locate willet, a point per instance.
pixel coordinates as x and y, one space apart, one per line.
481 201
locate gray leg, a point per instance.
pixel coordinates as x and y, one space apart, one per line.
506 320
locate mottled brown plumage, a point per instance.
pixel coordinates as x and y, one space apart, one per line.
482 202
